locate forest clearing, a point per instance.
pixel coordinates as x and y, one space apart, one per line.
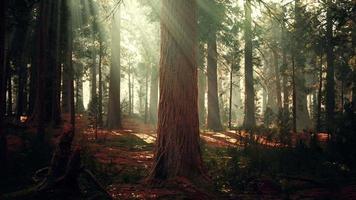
177 99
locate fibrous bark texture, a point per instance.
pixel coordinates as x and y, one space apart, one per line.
177 150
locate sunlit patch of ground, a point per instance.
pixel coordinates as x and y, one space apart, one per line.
149 138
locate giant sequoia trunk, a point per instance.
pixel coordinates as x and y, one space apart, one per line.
249 120
177 150
330 81
213 120
114 110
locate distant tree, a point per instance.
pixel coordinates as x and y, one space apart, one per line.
211 14
330 71
114 109
153 95
249 120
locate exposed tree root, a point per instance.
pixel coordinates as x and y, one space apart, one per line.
61 179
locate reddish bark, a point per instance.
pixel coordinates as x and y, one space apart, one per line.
177 150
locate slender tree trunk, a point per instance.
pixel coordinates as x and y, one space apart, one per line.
114 109
132 95
249 120
278 81
153 95
18 54
318 115
294 97
353 33
213 121
285 83
130 91
146 97
330 81
93 79
33 74
100 103
230 97
177 150
9 89
79 107
65 43
69 60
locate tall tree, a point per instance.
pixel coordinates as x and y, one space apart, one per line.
114 109
249 120
55 62
177 151
3 81
213 120
39 111
153 95
330 72
302 115
2 60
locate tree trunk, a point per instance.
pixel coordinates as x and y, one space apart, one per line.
249 120
17 54
56 64
114 109
65 40
294 97
146 96
177 150
330 81
230 97
33 74
3 79
213 121
278 82
9 88
100 100
302 114
2 60
153 95
130 90
79 104
318 114
39 111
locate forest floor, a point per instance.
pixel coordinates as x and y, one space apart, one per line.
121 160
125 157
